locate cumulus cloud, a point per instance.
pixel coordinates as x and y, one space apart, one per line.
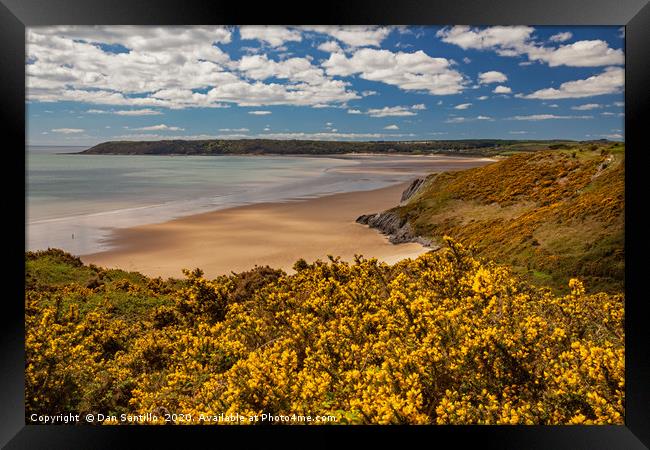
499 37
394 111
354 111
408 71
67 130
463 106
538 117
238 130
138 112
587 107
169 67
518 41
391 127
259 113
96 111
354 36
610 81
161 127
458 119
580 54
502 90
491 77
561 37
482 97
329 47
274 36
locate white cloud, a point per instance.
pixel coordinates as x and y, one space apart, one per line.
394 111
482 97
238 130
561 37
138 112
161 127
587 107
391 127
390 111
553 105
619 104
96 111
518 41
538 117
354 111
408 71
463 106
613 136
419 107
354 36
610 81
260 67
369 93
274 36
501 37
517 132
580 54
502 90
259 113
329 47
67 130
457 119
466 60
608 113
491 77
169 67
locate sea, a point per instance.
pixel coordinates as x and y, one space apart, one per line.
75 201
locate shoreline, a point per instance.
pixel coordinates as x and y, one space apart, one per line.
274 233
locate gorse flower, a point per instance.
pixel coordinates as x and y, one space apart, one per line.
442 339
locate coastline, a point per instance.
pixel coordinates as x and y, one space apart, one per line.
275 234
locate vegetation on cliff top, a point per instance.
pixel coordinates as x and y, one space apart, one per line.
486 147
444 339
550 215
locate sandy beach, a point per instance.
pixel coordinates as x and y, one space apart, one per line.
277 233
274 234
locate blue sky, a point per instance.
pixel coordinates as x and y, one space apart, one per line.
87 85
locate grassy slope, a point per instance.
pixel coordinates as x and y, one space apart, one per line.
551 215
110 290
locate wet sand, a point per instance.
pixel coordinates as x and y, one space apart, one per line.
275 234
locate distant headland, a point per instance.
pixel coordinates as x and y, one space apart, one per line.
479 147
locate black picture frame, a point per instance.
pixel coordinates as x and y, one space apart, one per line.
15 15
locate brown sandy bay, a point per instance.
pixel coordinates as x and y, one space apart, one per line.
274 234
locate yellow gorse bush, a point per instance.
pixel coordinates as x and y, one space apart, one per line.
442 339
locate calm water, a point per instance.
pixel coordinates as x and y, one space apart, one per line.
74 201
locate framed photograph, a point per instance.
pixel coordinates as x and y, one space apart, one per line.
422 218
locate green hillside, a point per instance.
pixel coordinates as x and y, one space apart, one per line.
549 215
